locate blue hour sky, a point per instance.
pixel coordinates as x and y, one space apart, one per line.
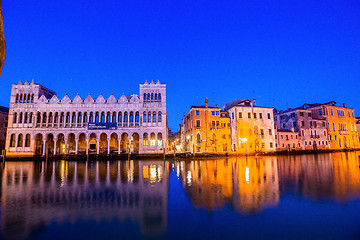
283 53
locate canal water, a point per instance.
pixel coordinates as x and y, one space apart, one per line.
276 197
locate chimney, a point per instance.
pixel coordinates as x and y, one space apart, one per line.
254 102
206 103
217 105
292 129
343 104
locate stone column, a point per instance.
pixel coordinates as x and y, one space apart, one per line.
66 146
87 146
44 148
108 150
119 150
97 146
55 146
77 146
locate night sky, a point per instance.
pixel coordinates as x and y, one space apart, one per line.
283 53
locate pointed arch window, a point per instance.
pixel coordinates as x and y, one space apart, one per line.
131 117
154 116
120 117
159 117
27 140
114 117
137 117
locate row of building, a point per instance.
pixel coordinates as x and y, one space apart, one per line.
244 127
40 123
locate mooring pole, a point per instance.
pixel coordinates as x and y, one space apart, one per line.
4 155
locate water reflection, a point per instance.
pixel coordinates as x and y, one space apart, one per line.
36 194
248 184
252 184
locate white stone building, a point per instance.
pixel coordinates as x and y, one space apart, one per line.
40 122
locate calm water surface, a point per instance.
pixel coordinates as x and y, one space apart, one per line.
284 197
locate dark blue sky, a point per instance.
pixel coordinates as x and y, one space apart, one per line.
283 53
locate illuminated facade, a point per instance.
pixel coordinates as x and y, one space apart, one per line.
310 127
341 125
206 129
358 126
252 127
287 140
40 122
97 191
4 111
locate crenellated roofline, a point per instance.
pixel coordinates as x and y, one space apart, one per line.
134 98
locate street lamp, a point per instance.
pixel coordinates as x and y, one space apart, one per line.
243 140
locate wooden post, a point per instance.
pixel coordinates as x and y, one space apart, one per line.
46 154
4 155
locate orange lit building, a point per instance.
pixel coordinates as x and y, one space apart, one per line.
206 129
358 126
287 140
341 124
252 127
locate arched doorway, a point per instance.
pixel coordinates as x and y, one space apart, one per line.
50 144
60 144
82 144
314 145
103 144
92 143
71 144
124 143
114 143
38 144
135 143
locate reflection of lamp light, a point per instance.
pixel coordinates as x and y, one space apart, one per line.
152 173
247 175
189 178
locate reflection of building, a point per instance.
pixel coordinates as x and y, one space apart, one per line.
206 129
39 122
334 176
249 185
35 194
4 111
256 184
252 127
208 183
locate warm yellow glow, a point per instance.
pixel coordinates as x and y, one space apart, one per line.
247 175
145 172
152 142
63 172
152 174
